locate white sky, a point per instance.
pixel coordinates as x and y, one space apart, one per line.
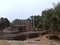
23 9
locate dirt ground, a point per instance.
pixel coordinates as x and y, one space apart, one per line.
42 39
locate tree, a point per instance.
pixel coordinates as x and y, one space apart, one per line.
37 21
15 22
51 18
4 22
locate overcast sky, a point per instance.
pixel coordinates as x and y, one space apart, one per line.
23 9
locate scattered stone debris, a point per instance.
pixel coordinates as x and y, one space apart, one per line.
53 37
37 40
